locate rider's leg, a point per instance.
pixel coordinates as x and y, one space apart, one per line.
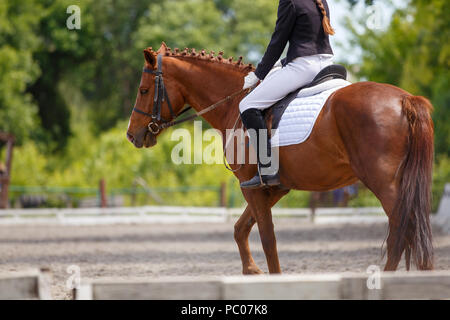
280 83
253 120
273 88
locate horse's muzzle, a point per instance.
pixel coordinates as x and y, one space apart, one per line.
143 138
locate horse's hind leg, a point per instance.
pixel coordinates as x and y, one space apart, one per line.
395 244
387 194
403 200
392 240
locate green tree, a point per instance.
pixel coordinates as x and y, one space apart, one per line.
18 113
414 54
168 22
237 27
110 77
59 54
250 26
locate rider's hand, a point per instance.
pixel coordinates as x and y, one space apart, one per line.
250 80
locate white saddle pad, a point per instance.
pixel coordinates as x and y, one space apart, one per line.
299 117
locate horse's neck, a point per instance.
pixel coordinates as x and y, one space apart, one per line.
208 83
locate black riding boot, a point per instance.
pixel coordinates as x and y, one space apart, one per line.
253 119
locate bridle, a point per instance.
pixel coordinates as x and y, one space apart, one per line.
161 95
159 98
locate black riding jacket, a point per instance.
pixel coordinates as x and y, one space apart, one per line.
300 23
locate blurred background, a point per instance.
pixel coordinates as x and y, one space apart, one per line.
66 95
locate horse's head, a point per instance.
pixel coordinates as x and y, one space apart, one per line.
159 100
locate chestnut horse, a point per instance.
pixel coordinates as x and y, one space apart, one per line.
367 131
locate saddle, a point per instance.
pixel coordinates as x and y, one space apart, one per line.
273 114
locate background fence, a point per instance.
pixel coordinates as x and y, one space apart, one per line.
141 194
43 196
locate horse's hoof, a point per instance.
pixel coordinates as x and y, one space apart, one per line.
252 270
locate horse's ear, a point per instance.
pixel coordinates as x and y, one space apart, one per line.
162 50
150 57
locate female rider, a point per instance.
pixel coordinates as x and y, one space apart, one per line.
305 24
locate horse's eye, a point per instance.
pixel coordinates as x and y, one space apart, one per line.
144 91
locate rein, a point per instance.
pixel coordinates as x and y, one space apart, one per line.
161 95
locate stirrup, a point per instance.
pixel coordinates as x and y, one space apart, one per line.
253 183
259 181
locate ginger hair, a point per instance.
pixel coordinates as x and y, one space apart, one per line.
325 20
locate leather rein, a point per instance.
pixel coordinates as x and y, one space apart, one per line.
161 95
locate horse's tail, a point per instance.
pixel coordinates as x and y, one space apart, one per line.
413 204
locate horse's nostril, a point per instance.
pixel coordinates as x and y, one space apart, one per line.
130 137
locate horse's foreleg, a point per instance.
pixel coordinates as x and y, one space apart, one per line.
242 230
268 240
260 201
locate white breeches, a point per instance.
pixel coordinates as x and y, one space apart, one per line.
280 82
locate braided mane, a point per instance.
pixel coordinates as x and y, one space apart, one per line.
208 57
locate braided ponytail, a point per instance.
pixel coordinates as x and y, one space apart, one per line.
325 21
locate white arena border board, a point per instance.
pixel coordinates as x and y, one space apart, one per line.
172 214
393 286
24 285
443 214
